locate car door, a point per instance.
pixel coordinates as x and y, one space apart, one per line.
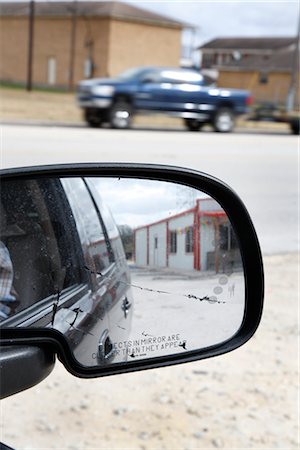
121 300
100 264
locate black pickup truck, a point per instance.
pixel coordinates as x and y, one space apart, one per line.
183 93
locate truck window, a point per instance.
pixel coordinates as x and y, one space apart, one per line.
106 215
174 76
96 248
109 224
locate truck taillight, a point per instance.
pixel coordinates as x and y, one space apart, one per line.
249 100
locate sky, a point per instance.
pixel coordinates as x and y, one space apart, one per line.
216 18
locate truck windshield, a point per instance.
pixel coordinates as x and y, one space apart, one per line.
131 74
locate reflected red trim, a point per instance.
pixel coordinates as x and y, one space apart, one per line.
167 243
198 264
183 213
213 213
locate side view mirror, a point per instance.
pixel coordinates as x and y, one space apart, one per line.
122 267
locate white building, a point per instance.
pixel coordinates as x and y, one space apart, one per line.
199 238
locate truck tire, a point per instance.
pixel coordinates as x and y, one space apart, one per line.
223 121
121 115
93 117
294 126
193 124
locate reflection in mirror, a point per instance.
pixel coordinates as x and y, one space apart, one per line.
124 268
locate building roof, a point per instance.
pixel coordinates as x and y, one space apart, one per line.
251 44
218 212
112 9
277 62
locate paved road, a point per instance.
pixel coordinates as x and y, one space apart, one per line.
262 168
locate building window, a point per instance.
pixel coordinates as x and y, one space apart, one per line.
88 68
156 242
263 78
51 70
236 55
173 242
189 240
219 59
227 238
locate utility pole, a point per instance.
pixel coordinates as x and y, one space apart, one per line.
290 101
73 45
30 45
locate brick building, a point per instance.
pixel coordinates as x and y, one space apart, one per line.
262 65
87 39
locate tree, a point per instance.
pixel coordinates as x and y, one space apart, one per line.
127 237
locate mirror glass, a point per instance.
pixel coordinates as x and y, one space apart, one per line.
125 268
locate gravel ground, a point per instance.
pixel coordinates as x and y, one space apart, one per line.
246 399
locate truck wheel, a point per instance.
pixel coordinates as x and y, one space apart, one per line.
294 125
121 115
223 121
193 124
93 118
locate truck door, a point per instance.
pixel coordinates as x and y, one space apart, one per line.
149 94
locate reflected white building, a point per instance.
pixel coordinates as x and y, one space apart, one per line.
200 238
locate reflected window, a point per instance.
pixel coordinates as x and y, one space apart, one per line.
227 238
173 242
91 232
106 216
189 240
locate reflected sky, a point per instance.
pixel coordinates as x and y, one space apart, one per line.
139 202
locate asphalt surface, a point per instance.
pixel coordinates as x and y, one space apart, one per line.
262 167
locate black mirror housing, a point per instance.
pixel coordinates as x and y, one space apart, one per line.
248 246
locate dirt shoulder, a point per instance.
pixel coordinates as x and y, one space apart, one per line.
19 105
242 400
